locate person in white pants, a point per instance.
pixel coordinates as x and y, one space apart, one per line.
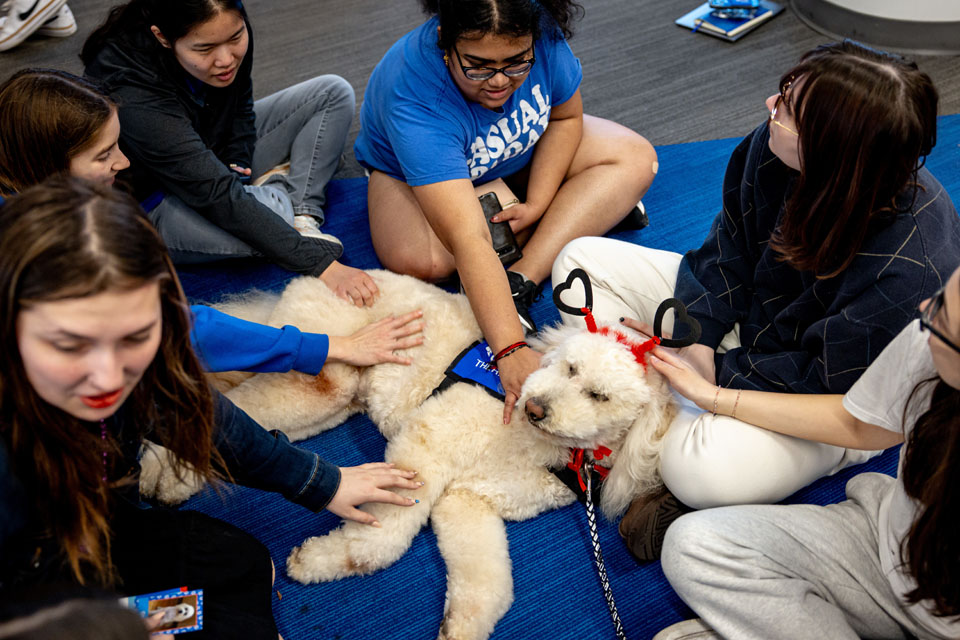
820 257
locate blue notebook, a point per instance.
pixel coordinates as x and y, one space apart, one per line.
705 20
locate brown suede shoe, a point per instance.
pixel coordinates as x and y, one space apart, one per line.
646 521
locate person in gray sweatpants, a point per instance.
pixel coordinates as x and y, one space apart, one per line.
881 564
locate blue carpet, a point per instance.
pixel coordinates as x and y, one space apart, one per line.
557 592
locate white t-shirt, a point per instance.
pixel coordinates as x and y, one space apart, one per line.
879 397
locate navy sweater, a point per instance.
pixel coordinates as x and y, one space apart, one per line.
798 333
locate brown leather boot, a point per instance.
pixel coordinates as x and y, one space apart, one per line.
645 523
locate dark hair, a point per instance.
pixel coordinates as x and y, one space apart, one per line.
62 239
514 18
865 119
174 18
931 476
46 118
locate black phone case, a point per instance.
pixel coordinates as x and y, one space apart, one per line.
504 242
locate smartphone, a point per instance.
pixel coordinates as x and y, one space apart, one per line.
734 4
504 242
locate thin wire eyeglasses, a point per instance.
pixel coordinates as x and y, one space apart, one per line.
929 313
512 70
776 106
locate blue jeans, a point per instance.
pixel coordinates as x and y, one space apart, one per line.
306 124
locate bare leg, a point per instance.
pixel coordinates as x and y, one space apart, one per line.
402 237
611 170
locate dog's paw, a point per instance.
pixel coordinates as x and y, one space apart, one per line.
159 480
322 559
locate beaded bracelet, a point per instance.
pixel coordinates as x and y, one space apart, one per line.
503 353
733 414
716 399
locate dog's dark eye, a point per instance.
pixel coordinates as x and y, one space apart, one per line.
599 397
571 370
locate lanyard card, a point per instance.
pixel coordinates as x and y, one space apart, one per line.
181 609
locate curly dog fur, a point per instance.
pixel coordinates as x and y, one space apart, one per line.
589 392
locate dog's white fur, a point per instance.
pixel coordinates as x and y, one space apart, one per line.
477 471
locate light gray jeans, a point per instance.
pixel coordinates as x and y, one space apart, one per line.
789 572
306 124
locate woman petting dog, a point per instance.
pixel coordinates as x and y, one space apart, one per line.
831 234
180 71
83 387
462 102
882 564
55 123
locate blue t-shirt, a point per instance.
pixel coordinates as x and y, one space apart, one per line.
417 127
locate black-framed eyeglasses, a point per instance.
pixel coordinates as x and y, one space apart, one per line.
776 107
929 313
512 70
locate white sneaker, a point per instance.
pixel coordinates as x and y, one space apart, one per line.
688 630
309 227
61 25
24 17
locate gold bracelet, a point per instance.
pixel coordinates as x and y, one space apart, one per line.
735 403
716 399
510 203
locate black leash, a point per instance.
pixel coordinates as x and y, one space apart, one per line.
598 554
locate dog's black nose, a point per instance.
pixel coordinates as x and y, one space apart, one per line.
535 412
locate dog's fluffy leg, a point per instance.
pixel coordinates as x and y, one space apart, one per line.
473 542
297 404
356 549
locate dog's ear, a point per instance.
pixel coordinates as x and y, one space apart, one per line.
636 470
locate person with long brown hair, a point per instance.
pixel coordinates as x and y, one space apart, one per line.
883 563
55 123
831 234
82 385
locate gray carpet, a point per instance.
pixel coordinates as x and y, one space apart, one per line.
639 68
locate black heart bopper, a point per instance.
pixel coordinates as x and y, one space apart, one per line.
690 335
576 274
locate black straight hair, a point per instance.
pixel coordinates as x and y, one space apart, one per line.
174 18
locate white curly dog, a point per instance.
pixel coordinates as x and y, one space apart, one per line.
590 392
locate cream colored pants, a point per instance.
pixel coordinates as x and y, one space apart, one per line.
707 460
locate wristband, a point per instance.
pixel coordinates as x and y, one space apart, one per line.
503 353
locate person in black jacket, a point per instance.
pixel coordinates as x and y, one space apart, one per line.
96 361
831 235
180 72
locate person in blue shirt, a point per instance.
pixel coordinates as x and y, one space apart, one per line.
84 386
485 96
56 123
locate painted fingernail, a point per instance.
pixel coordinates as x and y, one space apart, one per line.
416 502
621 319
422 483
375 523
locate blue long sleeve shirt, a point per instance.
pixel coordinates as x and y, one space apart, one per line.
225 343
799 333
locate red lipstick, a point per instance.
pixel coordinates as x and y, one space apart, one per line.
103 400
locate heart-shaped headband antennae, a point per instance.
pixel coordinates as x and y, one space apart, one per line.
580 310
692 334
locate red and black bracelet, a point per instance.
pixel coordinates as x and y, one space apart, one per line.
503 353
